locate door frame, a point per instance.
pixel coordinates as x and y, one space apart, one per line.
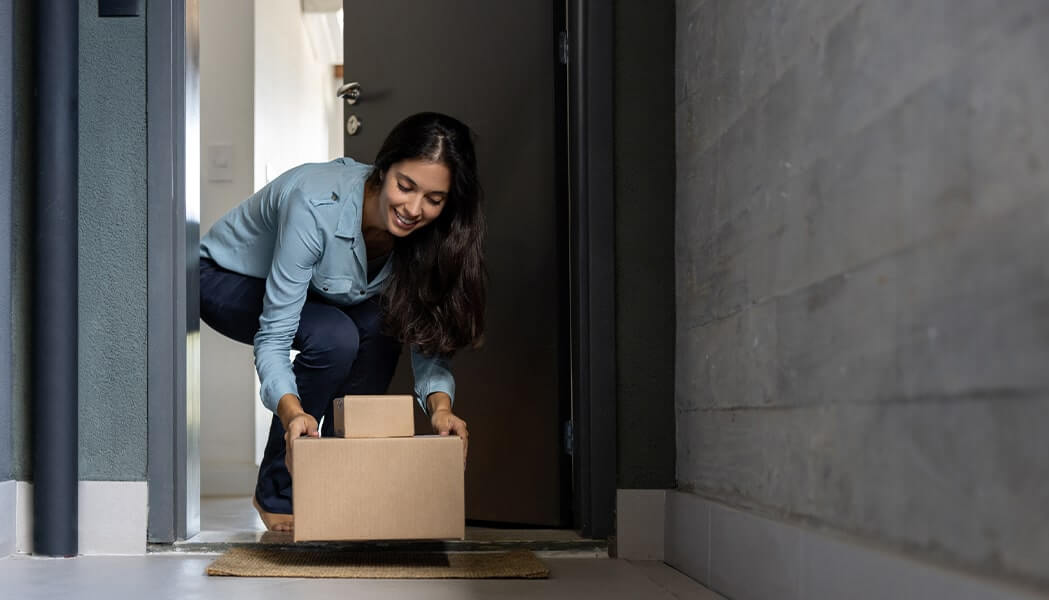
592 305
172 230
173 427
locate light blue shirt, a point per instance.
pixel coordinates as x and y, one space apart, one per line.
301 232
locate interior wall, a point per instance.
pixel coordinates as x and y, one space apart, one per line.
862 330
227 133
7 123
112 246
291 87
21 246
333 113
644 221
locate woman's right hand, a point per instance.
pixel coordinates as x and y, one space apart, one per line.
296 422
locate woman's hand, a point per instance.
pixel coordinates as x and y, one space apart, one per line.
445 422
296 422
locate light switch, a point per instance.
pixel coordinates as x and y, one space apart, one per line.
220 162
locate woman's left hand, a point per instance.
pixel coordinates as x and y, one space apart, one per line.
445 422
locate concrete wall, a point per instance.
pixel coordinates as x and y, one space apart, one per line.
21 211
862 324
644 197
227 393
112 247
7 123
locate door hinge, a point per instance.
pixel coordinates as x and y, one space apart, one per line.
568 438
562 46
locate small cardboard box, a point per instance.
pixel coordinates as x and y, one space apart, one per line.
374 416
406 488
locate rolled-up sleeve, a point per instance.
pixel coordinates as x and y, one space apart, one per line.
299 245
432 374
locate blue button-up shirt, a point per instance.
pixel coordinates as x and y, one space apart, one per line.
301 232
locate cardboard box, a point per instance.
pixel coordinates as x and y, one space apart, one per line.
406 488
374 416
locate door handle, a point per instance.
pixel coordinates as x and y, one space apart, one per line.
350 92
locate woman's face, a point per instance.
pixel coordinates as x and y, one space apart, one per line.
413 194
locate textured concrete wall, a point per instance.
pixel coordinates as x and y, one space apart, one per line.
112 246
21 238
644 197
7 122
862 283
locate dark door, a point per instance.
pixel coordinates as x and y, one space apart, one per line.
493 65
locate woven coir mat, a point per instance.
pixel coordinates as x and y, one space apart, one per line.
284 562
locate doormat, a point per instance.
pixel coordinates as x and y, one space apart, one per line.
285 562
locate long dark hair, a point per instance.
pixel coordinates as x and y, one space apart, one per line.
435 298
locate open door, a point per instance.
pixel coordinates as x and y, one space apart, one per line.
497 67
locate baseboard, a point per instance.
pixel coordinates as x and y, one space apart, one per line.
228 479
7 517
639 524
111 517
744 556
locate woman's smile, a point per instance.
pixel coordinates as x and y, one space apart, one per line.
403 221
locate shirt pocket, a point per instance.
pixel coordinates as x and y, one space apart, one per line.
333 286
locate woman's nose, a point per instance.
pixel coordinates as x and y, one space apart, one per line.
414 207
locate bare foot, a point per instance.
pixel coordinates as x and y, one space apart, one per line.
274 521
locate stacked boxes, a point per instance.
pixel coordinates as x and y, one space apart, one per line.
375 480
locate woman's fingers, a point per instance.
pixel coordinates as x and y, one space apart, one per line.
446 423
460 429
301 425
287 453
290 435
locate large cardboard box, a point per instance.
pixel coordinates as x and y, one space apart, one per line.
378 488
374 416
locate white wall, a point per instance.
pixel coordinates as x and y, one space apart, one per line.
291 88
334 109
227 396
263 94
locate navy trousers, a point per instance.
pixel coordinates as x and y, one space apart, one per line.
341 351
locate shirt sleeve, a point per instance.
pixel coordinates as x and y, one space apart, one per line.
432 374
299 245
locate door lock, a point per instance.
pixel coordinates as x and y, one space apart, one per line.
353 125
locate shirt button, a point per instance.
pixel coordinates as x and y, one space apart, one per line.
361 292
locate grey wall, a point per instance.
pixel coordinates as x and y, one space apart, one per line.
6 146
112 246
644 205
863 290
21 236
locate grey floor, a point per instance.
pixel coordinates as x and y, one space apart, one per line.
182 575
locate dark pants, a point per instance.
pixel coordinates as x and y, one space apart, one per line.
341 351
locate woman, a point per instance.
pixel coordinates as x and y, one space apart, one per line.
344 262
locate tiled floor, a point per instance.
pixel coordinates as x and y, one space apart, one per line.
182 576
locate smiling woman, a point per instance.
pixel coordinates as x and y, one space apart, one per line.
345 262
